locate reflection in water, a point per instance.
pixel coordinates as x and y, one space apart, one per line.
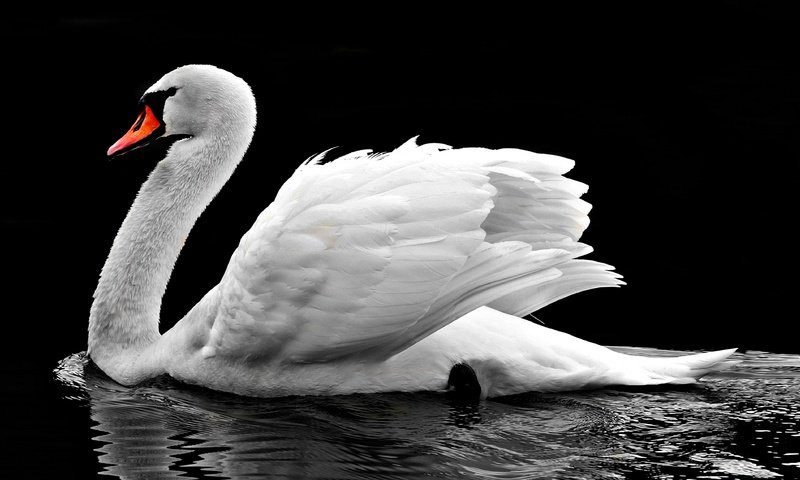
744 423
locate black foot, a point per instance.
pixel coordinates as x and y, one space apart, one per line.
463 383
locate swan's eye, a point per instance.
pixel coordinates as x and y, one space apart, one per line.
157 99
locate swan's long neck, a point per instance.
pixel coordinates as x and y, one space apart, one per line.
125 314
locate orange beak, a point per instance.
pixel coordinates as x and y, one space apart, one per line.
146 126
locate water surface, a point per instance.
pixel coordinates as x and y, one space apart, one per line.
743 423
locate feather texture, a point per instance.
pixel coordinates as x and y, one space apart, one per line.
367 254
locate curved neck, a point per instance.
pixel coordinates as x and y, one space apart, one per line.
125 314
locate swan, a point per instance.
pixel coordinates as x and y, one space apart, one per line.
375 272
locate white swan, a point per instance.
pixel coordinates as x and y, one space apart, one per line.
368 273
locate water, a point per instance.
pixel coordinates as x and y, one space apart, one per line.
743 423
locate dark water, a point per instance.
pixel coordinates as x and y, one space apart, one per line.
743 423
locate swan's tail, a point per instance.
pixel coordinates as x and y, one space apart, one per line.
687 368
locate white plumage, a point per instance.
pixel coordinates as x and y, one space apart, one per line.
371 272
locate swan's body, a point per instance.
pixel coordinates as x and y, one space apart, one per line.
368 273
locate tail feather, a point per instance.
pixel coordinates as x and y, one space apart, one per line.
688 368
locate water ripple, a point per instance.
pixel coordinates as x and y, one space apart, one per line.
742 423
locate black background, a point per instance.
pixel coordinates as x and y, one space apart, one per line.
683 122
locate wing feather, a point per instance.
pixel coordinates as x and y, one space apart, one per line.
370 253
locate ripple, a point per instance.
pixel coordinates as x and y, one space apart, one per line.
742 423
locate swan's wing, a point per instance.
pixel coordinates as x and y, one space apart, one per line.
368 254
350 253
537 205
527 260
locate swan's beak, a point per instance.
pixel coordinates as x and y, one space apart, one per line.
147 127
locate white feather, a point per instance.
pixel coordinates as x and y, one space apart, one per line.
370 272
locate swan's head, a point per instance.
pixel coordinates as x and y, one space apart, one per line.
191 101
